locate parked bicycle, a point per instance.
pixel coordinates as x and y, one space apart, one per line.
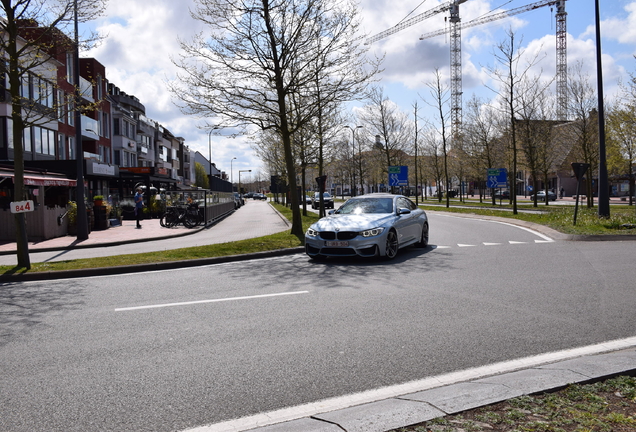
187 215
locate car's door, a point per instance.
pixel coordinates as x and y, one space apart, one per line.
408 223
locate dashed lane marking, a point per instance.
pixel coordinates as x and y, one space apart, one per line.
208 301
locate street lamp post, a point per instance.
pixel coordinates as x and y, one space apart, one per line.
353 142
232 174
240 171
82 219
210 159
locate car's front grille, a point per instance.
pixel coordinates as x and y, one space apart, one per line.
340 235
347 235
328 235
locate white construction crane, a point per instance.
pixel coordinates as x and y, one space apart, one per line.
561 53
455 48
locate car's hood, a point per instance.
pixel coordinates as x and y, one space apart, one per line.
352 222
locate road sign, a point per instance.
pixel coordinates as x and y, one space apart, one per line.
497 177
398 175
579 169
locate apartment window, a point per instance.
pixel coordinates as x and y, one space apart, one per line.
26 140
24 86
50 92
52 142
72 151
37 139
9 133
117 157
116 127
70 62
71 113
99 87
105 125
61 146
35 88
61 105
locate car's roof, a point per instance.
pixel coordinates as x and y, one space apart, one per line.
377 195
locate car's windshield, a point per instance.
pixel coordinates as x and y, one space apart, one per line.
325 195
366 206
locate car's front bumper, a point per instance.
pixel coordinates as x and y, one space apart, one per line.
359 246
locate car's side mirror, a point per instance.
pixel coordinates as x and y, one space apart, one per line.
330 212
402 211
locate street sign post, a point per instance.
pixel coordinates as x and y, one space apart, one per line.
579 171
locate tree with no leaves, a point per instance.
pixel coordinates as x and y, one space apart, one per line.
509 75
258 53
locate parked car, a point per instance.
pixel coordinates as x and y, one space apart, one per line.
502 194
249 195
307 200
259 196
327 198
368 225
541 195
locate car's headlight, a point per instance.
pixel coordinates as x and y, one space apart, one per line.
311 233
372 232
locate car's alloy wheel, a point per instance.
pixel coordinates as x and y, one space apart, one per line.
424 239
391 245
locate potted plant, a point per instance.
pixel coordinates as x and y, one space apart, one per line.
98 200
71 214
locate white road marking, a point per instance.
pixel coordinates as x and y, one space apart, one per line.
492 244
208 301
516 242
464 245
326 405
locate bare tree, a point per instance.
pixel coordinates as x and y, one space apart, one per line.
582 103
509 76
258 53
440 100
482 140
31 35
383 118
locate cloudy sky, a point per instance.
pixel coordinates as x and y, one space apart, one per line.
141 36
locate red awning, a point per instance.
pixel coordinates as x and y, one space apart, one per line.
34 180
48 181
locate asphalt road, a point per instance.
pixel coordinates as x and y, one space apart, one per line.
169 350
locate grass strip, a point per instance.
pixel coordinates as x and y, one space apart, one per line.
622 218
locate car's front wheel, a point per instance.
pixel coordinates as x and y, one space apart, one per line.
392 245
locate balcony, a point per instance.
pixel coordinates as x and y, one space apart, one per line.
86 90
90 128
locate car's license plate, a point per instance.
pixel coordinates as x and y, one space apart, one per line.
336 243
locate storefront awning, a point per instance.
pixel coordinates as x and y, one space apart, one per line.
49 181
36 180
